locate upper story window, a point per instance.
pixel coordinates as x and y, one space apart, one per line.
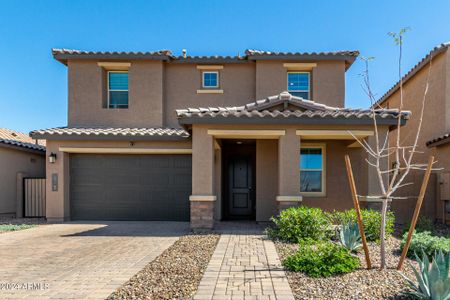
117 89
312 170
299 84
210 79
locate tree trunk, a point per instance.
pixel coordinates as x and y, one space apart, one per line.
383 234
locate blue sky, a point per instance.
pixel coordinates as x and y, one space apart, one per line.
34 86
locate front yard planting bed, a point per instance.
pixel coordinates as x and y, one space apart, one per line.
8 224
175 274
360 284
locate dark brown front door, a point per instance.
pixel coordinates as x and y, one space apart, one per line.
240 202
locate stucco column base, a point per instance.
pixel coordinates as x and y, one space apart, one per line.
284 202
373 204
202 212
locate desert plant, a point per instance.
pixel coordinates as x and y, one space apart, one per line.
350 237
433 282
425 242
321 259
298 223
423 224
371 221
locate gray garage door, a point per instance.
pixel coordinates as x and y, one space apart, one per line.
130 187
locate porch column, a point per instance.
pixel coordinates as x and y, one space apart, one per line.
288 170
373 186
202 198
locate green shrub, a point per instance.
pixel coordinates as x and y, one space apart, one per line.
423 224
322 259
371 221
298 223
425 242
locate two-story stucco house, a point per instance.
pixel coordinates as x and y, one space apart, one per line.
435 131
153 136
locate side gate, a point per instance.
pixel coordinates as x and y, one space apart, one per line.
34 197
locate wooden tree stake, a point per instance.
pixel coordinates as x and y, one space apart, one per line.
351 181
423 189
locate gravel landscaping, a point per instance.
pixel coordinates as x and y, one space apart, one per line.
361 284
175 274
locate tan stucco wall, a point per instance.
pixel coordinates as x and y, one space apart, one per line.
87 96
157 89
436 121
338 196
328 81
266 179
441 154
182 81
14 161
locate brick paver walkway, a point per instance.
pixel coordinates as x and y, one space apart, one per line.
244 266
80 261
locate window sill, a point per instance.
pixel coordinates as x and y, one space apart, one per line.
205 91
313 194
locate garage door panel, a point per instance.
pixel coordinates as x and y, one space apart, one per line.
130 187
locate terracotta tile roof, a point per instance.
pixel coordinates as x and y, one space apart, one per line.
440 140
253 52
63 55
19 139
304 109
435 51
99 132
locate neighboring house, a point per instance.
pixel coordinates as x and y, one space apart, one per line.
153 136
435 130
20 156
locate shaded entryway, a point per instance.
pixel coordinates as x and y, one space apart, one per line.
239 179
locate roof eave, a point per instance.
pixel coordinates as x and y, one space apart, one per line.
22 148
293 120
92 137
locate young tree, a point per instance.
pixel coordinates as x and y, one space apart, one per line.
392 178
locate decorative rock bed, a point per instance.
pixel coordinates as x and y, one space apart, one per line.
175 274
361 284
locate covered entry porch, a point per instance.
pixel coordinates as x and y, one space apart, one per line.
253 173
299 148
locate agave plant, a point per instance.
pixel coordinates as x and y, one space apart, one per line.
432 280
350 237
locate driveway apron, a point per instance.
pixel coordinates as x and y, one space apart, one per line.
79 260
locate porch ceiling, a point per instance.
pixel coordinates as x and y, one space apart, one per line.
333 134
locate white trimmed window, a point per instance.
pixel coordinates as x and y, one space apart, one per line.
210 79
117 89
299 84
312 170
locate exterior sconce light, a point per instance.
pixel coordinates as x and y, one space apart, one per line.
52 158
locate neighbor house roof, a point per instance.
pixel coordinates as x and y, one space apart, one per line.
13 138
110 132
285 108
440 140
425 61
63 55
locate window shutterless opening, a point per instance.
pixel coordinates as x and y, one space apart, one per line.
210 79
299 84
117 89
312 170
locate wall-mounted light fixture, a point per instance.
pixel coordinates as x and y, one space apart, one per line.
52 158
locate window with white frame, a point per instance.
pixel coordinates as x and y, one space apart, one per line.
312 170
299 84
210 79
117 89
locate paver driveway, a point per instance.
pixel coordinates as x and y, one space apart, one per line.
80 260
